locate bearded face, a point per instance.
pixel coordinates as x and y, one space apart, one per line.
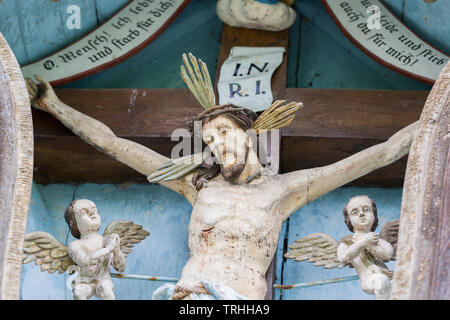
229 144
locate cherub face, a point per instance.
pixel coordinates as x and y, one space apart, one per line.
229 143
86 216
361 214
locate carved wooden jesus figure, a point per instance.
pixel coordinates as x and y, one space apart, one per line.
238 209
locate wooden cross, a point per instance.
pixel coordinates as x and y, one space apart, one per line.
333 125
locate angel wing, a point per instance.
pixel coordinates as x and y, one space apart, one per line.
129 233
389 232
47 252
318 248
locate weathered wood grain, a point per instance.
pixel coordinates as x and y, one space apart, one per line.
128 112
16 169
335 124
332 125
423 251
196 29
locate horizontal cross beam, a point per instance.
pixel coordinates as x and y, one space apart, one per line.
332 125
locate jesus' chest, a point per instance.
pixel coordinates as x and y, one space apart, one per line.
243 209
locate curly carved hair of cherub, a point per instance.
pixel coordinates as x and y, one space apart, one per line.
69 216
374 210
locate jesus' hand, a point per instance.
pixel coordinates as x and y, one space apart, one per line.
40 94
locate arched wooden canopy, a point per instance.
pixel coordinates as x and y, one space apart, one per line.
423 254
16 169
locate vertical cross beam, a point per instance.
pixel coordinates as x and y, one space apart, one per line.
232 37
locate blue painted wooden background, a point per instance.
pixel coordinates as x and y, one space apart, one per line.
319 57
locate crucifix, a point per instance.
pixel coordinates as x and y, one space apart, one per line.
232 238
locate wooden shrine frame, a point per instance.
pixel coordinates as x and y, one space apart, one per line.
332 125
16 170
423 246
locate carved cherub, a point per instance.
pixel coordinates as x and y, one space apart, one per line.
91 255
272 15
364 250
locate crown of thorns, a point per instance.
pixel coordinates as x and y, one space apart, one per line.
195 74
243 117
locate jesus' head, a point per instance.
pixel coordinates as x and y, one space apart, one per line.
224 131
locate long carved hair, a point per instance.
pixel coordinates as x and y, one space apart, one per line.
69 216
374 210
241 117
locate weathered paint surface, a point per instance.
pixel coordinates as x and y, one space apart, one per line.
166 215
326 215
320 56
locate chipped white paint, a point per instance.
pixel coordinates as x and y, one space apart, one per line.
133 97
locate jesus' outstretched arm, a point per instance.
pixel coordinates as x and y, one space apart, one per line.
304 186
136 156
